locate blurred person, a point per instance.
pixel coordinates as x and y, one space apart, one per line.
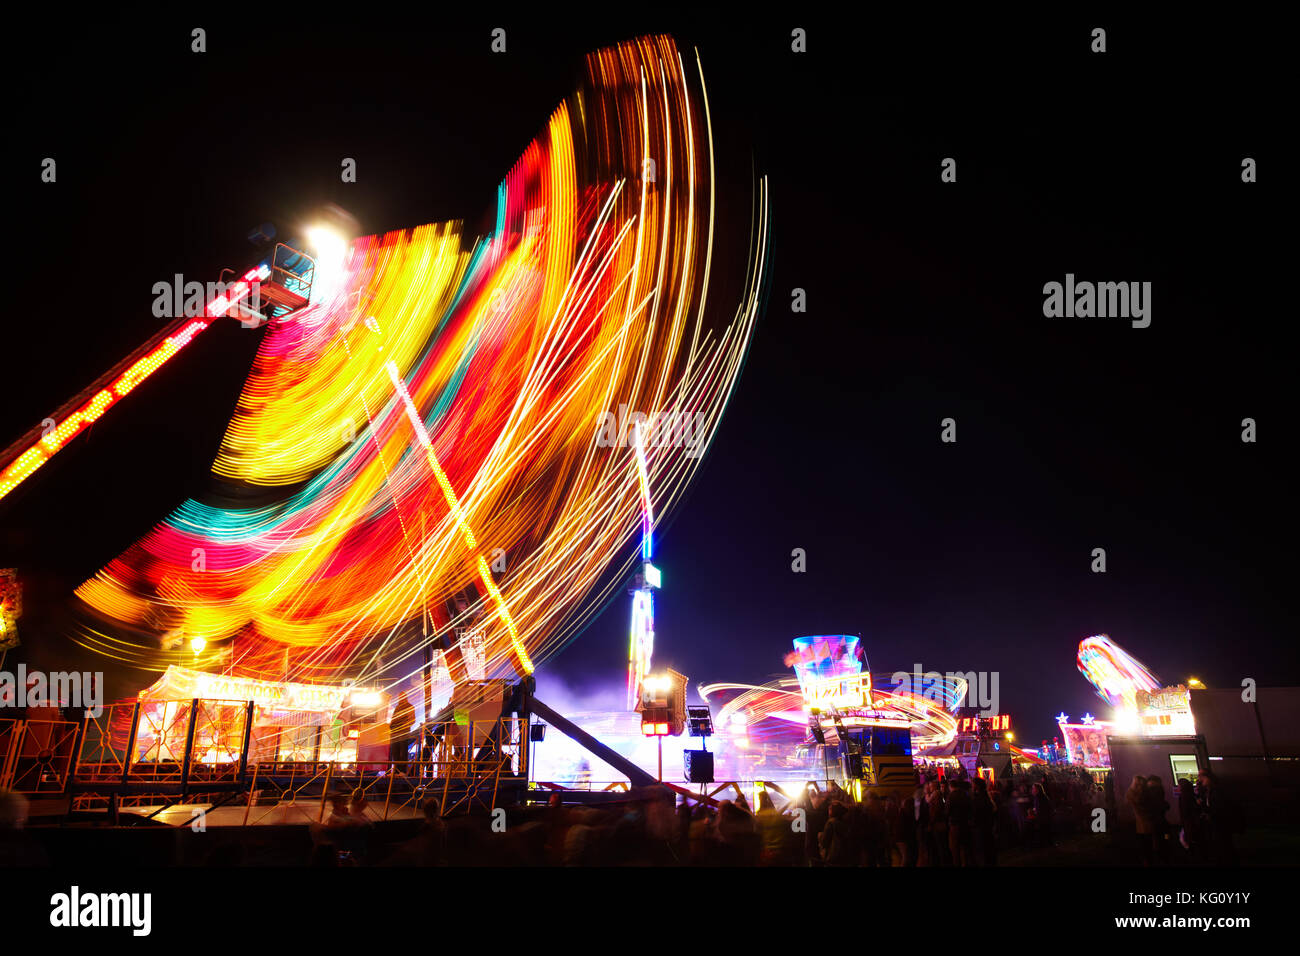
428 846
399 730
836 842
1157 807
983 817
1137 799
939 825
357 806
17 848
702 839
1223 819
1020 814
921 814
1189 817
773 833
1042 810
340 812
905 830
681 841
871 836
817 813
959 823
737 834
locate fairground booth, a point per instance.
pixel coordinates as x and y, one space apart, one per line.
1248 737
223 719
983 744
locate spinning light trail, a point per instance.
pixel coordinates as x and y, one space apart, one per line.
760 706
457 451
1116 674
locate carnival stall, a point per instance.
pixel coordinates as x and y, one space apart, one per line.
289 721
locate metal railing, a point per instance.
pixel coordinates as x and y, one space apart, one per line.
189 747
37 755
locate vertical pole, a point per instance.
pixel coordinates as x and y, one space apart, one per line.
248 739
661 757
525 728
130 741
189 748
74 762
325 790
428 690
252 790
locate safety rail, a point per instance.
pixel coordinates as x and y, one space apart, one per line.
37 755
138 753
387 787
181 743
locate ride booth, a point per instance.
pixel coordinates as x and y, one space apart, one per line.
983 746
873 745
1166 744
194 717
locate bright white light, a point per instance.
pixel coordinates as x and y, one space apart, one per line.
366 698
1126 722
197 643
326 241
330 251
656 684
652 575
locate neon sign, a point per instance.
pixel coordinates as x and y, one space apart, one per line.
840 692
998 723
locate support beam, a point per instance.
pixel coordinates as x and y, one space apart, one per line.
637 776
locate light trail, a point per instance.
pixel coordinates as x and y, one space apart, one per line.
480 415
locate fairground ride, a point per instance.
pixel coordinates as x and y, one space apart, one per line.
422 419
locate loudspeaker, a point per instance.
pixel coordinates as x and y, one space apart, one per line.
698 765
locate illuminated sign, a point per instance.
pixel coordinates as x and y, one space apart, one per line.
1165 713
180 683
997 723
840 692
830 671
1087 743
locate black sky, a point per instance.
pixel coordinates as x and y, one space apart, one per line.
924 302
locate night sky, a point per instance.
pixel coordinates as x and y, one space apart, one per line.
924 302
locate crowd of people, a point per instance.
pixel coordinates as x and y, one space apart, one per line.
1209 820
948 820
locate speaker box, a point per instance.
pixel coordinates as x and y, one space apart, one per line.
699 766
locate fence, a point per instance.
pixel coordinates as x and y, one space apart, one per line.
140 752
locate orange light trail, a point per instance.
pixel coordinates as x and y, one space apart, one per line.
463 454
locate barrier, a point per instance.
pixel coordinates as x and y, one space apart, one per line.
38 755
